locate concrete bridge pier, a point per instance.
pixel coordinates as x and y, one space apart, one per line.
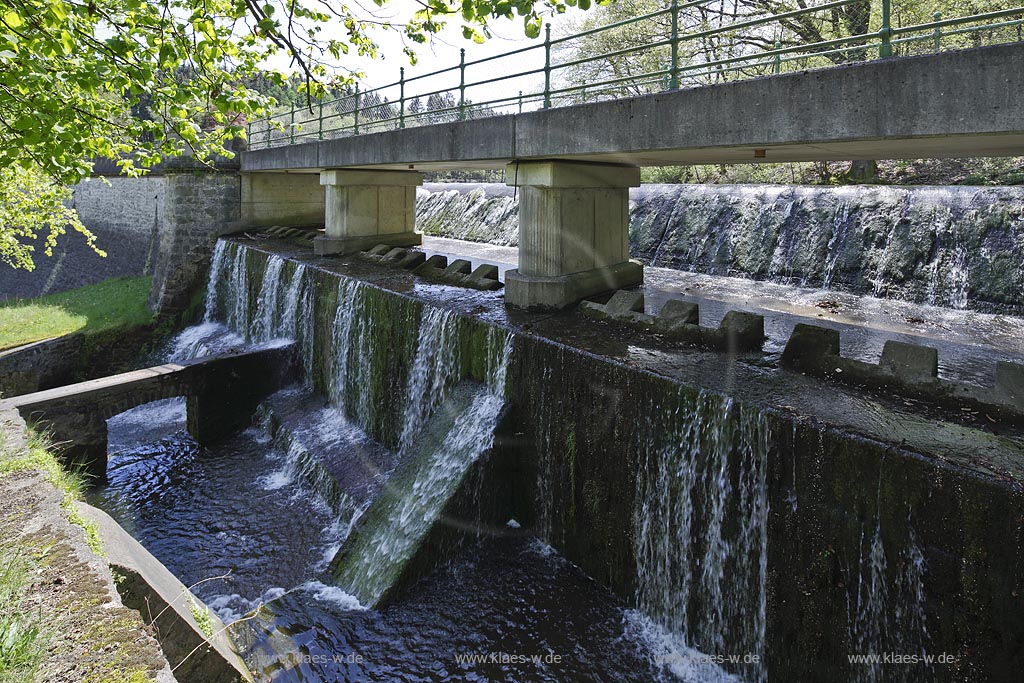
573 232
366 208
82 439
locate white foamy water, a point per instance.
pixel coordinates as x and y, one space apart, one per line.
205 339
669 652
146 423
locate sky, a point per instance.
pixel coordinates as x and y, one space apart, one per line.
443 52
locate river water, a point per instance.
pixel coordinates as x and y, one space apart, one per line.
236 522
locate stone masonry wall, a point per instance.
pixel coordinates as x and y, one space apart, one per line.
198 208
123 213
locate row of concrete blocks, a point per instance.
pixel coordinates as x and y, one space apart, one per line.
281 232
679 321
910 369
459 272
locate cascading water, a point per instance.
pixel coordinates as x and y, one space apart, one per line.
449 438
213 282
267 319
467 211
960 247
887 614
700 533
435 370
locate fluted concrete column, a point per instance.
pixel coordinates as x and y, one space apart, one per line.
573 232
366 208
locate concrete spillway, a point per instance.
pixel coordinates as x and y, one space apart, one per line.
960 247
743 507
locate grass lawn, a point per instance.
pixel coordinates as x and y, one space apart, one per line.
96 308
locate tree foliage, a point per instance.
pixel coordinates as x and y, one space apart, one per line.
141 80
33 207
636 50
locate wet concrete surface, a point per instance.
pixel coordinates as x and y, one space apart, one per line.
965 438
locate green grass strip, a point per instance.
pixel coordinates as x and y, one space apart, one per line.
120 302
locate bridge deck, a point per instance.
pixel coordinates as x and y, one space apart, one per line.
965 103
82 390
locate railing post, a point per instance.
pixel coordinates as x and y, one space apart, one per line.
355 112
462 84
673 76
401 97
291 125
777 60
938 31
547 66
520 101
885 33
320 130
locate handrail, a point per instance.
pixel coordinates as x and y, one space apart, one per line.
750 47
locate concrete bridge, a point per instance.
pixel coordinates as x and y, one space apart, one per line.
221 391
574 165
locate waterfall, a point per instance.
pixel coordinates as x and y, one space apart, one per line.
888 613
478 213
353 352
436 368
959 247
282 309
237 308
700 534
434 465
216 267
264 324
209 337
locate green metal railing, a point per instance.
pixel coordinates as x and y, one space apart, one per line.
685 44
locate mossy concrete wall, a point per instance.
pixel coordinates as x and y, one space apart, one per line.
585 432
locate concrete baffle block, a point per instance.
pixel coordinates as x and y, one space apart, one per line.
365 208
910 361
1010 381
573 232
485 271
679 311
412 259
395 254
379 250
811 347
458 267
437 261
623 302
742 331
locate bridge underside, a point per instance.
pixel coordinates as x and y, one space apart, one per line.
936 147
574 164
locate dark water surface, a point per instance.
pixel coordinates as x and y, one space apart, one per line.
506 609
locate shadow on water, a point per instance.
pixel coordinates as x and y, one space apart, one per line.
505 609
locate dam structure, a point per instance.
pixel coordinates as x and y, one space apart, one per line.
576 428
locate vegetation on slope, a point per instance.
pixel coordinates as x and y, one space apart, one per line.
56 623
105 306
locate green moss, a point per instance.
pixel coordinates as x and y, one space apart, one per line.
202 615
39 457
108 305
